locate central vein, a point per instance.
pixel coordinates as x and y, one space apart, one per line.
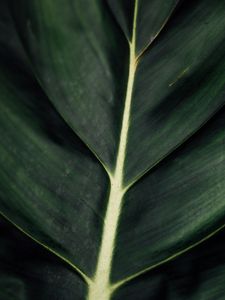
100 287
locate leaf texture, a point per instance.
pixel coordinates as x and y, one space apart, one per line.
112 141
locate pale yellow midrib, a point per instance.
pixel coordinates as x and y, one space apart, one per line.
100 288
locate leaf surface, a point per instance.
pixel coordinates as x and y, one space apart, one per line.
112 129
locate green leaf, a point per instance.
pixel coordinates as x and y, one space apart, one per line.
151 18
28 271
198 274
112 145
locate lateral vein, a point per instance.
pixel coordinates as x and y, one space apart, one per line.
166 260
79 271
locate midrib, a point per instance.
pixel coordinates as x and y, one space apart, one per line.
100 288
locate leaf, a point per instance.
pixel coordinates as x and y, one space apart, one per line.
28 271
112 130
198 274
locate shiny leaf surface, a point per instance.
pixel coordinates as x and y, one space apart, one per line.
112 148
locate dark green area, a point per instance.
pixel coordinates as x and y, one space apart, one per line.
28 271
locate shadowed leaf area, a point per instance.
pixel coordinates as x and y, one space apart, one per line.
198 274
29 272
